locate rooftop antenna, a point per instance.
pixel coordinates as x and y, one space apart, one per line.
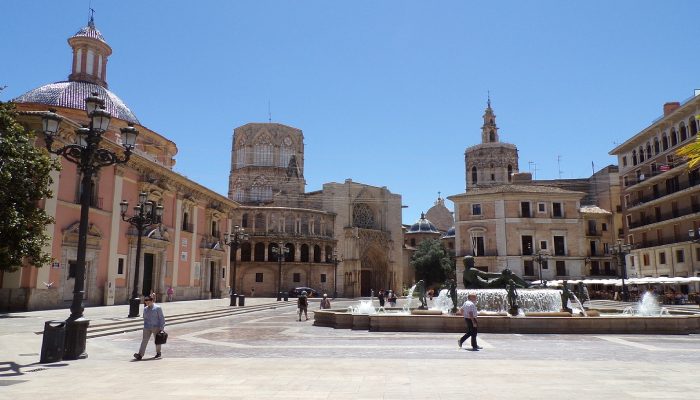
488 96
559 165
269 113
532 166
91 11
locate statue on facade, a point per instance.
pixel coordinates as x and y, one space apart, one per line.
475 279
420 287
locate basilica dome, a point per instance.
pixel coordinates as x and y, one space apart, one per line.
423 226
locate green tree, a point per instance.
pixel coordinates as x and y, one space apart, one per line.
24 181
691 151
432 263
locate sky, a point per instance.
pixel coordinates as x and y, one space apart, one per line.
387 93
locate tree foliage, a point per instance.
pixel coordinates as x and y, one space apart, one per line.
432 262
24 181
691 151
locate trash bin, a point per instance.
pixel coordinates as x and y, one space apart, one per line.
286 296
279 296
241 300
52 345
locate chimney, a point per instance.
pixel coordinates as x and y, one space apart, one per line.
671 107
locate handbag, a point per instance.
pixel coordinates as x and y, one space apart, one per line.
161 337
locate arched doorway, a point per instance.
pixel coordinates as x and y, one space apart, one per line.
374 271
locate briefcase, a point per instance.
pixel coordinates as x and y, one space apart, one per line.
161 337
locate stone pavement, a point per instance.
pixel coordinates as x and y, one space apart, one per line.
269 354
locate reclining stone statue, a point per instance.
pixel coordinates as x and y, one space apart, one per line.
475 279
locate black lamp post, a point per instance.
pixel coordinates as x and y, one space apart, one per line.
336 260
234 239
620 249
280 251
146 215
89 158
541 258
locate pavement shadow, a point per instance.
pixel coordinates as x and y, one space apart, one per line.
11 368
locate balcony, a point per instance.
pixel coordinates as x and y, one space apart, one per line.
187 227
681 212
593 232
663 193
651 176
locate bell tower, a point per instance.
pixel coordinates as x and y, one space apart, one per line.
90 52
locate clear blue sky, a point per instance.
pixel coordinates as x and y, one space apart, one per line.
388 93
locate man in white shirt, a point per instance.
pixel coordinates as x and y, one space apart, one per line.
470 312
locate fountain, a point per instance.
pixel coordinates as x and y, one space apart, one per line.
648 306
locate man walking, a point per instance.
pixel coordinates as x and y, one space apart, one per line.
302 304
153 322
469 311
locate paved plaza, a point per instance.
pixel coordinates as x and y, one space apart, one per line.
262 351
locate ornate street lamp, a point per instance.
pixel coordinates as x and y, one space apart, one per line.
621 249
280 251
234 239
89 158
336 260
541 258
146 215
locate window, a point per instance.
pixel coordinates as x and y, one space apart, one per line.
543 245
120 266
656 146
526 241
680 255
559 246
629 220
323 278
697 254
664 142
286 154
262 154
476 209
674 137
662 257
474 176
525 209
561 268
645 259
557 210
541 207
258 277
510 173
625 181
624 161
604 226
493 177
240 157
296 277
223 273
478 246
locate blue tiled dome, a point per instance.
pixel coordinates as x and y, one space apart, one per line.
72 94
450 232
423 226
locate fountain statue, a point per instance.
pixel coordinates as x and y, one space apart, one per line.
420 285
452 291
475 279
566 295
582 292
512 299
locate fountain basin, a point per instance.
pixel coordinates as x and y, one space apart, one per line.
390 322
426 312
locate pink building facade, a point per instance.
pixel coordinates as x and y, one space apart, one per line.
186 251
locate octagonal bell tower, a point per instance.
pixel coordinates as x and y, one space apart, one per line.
492 162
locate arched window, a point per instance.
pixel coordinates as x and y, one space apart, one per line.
286 153
259 222
684 132
245 252
492 136
329 254
186 221
262 154
648 150
241 157
259 252
641 154
289 224
244 221
664 142
634 157
304 224
261 190
674 137
290 252
304 253
474 176
656 146
317 254
693 123
510 173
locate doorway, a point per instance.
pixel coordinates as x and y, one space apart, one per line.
365 282
212 279
147 273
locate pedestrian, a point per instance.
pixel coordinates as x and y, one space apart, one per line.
171 292
153 322
252 292
325 302
380 296
153 295
302 304
392 298
470 312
